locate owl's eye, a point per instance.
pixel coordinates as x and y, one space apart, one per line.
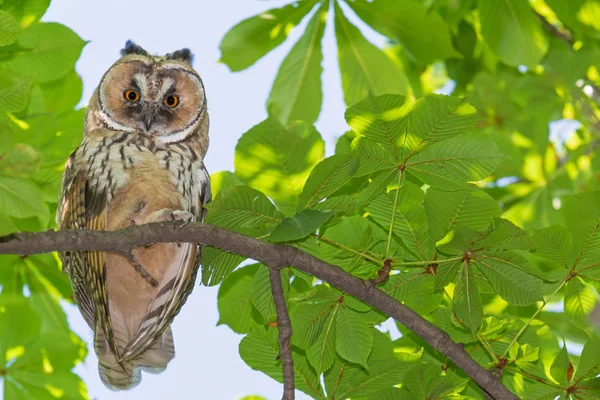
171 101
131 95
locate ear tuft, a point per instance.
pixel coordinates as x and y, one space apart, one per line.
181 55
132 48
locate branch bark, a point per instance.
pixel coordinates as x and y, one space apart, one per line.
285 334
275 256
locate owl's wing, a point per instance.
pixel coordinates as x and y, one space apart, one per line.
175 287
82 207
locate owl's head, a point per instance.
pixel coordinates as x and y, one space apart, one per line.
160 96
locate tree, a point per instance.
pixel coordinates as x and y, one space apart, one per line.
448 213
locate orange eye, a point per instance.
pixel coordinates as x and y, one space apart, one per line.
171 101
131 95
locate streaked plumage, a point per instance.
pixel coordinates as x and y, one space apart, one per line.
141 160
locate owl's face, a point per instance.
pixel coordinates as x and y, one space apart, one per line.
157 96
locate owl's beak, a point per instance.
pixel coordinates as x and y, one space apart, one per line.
148 116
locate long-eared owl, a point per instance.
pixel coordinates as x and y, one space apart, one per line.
140 161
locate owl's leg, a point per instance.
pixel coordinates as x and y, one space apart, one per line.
170 215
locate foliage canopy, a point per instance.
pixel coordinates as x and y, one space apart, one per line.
487 219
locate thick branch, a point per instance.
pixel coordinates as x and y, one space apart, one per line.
285 334
273 255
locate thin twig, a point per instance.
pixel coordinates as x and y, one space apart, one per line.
389 239
539 310
272 255
285 334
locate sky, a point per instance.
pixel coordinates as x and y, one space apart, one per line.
207 364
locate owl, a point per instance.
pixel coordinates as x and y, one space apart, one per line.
140 161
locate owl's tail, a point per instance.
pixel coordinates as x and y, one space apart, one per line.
122 375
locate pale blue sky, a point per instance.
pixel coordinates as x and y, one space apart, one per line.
207 364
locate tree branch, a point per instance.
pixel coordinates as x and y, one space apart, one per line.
285 334
275 256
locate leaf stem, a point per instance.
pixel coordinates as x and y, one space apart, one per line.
350 249
487 347
430 261
389 240
539 310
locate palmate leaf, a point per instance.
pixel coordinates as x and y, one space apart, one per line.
589 364
63 95
436 117
469 208
321 354
364 67
346 379
582 219
466 301
243 209
308 320
326 178
512 31
508 280
9 28
300 225
277 160
14 93
254 37
373 158
53 56
450 164
296 92
217 265
579 302
21 199
235 299
354 338
410 223
554 244
382 119
408 287
26 12
260 350
560 367
422 33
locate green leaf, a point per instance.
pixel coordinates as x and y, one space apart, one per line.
262 299
56 50
277 160
321 353
582 218
260 350
408 287
589 363
217 265
506 236
512 30
579 301
373 158
9 28
469 208
235 299
505 272
223 180
467 301
296 92
307 321
300 225
410 223
21 199
26 12
14 93
450 164
437 117
382 119
422 33
446 273
326 178
241 208
364 67
354 338
254 37
560 367
554 244
63 95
